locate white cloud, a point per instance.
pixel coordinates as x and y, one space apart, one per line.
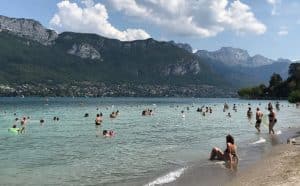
90 18
204 18
283 31
274 4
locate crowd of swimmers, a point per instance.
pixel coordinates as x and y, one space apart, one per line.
229 155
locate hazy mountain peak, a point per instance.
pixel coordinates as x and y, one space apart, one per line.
236 57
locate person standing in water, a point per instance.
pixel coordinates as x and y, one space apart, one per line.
23 124
98 119
259 116
272 121
249 113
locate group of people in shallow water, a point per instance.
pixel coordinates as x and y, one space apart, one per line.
259 117
23 123
229 155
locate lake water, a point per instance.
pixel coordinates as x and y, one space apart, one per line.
146 150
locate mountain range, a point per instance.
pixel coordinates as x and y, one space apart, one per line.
31 53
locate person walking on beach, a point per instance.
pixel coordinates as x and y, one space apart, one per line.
229 155
259 116
272 121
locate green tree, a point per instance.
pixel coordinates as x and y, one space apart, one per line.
275 80
294 96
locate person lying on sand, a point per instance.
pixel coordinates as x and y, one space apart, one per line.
229 155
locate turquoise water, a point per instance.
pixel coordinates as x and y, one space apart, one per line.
72 151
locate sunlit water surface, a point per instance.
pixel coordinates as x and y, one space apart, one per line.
72 151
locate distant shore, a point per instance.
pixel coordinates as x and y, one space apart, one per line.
88 89
281 166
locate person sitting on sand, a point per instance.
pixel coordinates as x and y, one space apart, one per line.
98 119
229 155
272 121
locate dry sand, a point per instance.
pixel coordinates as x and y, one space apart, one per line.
279 167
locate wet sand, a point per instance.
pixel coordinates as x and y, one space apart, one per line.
279 167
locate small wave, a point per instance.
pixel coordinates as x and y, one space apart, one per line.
278 132
170 177
261 140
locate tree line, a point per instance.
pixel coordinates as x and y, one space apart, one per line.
278 88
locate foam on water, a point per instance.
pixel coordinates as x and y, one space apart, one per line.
168 178
261 140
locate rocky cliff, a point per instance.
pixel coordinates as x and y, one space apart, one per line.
28 28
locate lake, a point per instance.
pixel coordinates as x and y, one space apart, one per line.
146 150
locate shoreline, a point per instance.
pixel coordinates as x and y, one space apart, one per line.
253 159
281 166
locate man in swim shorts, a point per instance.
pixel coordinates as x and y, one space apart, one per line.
259 116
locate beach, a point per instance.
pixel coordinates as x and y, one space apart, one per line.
281 167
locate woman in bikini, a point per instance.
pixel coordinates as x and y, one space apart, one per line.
272 121
229 155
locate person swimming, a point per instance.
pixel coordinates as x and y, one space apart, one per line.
229 155
113 115
42 121
14 129
107 133
98 119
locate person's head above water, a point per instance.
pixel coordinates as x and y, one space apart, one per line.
257 109
229 139
105 132
98 115
14 126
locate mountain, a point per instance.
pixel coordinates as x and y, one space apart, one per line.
184 46
28 28
32 54
240 69
236 57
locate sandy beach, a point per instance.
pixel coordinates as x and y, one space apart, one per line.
279 167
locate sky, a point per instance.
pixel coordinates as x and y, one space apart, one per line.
266 27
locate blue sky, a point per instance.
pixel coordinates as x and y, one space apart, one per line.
267 27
